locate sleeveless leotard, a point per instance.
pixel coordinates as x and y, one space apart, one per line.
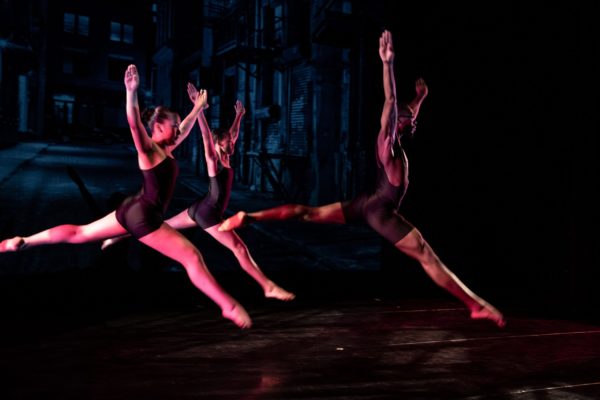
208 210
143 212
380 209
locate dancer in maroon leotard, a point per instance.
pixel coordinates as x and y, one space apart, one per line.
142 214
207 212
380 209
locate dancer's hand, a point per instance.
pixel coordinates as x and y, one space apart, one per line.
421 88
239 108
132 79
202 99
386 47
193 94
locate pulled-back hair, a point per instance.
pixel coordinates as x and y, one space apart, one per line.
219 134
151 116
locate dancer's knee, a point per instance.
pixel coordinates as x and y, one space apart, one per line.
425 253
296 211
67 234
192 258
239 249
428 259
415 246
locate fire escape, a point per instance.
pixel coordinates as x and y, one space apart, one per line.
245 40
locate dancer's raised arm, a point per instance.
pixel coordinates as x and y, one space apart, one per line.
143 143
388 115
421 91
235 126
210 153
187 124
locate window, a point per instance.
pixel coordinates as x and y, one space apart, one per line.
115 31
79 24
127 33
121 32
154 11
63 108
347 7
83 26
69 23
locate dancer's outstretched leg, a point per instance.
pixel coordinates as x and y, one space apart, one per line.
174 245
103 228
234 243
330 213
165 240
416 247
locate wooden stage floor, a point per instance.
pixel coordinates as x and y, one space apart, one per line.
327 347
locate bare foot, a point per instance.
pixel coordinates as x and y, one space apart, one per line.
276 292
110 242
238 315
238 220
15 244
487 311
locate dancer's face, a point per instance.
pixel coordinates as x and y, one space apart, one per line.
170 129
226 144
406 124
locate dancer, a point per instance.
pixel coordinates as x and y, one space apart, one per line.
207 212
380 209
142 214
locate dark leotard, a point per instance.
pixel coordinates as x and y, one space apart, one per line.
143 212
380 209
208 210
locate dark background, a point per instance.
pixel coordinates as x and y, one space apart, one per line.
504 162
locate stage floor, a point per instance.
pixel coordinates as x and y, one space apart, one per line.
361 348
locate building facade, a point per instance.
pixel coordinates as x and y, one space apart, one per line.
295 65
65 62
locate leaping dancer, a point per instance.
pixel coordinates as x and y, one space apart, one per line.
142 214
207 212
380 209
